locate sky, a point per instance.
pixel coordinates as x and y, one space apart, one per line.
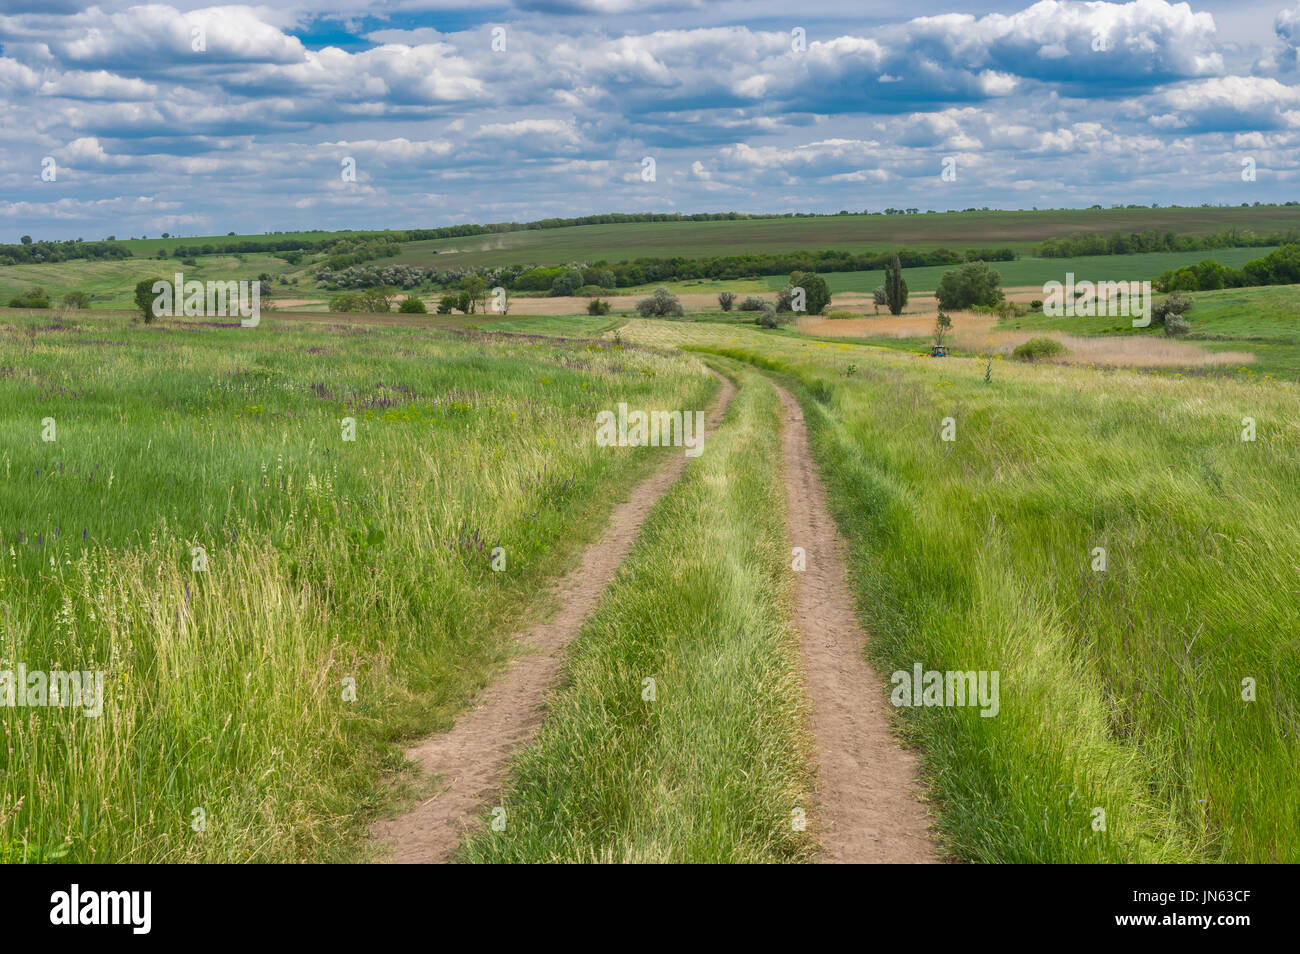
128 119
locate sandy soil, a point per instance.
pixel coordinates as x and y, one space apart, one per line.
472 757
869 808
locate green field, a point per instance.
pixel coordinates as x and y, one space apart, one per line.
1124 686
325 560
1037 271
857 233
278 610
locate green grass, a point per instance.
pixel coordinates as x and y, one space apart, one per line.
1120 690
1037 271
111 284
567 326
711 769
1263 321
326 560
859 233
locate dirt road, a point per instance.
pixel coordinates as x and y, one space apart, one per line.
868 806
472 756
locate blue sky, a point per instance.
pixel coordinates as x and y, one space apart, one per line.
196 119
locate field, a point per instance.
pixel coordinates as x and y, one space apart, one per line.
326 560
341 571
856 233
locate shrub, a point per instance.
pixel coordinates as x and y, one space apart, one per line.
879 297
446 303
598 306
76 299
1036 305
661 304
769 317
567 284
726 299
589 291
972 284
412 306
1036 348
1176 325
345 301
34 297
840 314
1174 304
752 303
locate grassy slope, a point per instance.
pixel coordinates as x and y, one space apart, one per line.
713 768
959 230
326 560
1119 690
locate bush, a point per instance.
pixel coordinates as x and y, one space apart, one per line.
1176 325
75 299
972 284
345 301
1036 305
34 297
567 284
412 306
769 317
752 303
840 314
589 291
661 304
598 306
1173 305
1036 348
726 299
446 303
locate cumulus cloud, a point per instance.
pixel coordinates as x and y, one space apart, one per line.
1067 97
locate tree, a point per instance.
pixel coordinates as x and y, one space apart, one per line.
726 299
598 306
476 288
817 294
567 283
661 304
942 325
26 239
895 286
879 297
972 284
144 297
412 306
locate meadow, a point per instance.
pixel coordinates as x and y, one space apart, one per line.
273 605
278 608
1124 684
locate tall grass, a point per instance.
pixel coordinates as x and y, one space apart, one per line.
227 732
712 768
1120 690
